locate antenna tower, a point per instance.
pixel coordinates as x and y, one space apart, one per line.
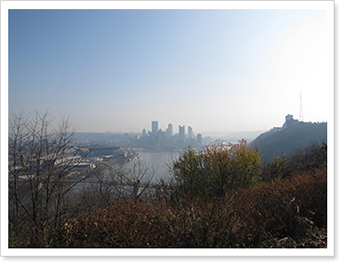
301 108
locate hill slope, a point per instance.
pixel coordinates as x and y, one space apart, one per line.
290 137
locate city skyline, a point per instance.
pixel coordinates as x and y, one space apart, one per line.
155 127
216 70
157 138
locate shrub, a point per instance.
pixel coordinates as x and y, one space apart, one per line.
305 159
122 224
217 169
275 169
286 207
309 158
289 212
283 212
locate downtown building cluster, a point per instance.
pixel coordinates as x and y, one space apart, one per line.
157 138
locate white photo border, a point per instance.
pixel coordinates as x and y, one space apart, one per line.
7 5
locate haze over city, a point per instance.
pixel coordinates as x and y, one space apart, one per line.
214 70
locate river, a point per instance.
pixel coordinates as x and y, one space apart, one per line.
157 163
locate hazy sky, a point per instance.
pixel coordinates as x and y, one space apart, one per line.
215 70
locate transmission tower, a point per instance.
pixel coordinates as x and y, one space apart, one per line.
301 108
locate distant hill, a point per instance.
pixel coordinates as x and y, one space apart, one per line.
290 137
236 136
233 137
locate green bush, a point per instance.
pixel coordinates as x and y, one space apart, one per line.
217 169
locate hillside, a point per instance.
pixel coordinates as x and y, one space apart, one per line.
290 137
233 136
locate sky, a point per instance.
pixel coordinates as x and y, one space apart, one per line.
214 70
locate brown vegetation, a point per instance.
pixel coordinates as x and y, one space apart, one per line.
289 212
222 197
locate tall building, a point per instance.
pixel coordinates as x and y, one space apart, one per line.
154 126
289 117
169 130
289 121
199 139
181 132
190 133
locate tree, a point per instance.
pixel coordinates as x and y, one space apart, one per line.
311 158
190 177
276 169
42 171
131 181
217 169
112 181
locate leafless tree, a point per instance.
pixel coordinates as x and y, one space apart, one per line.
42 165
121 181
112 181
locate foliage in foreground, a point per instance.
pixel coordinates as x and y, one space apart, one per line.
216 170
289 212
304 159
223 198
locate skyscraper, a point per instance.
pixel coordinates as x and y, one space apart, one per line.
199 139
190 133
181 132
169 130
154 125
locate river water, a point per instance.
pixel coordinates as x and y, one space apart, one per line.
158 163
